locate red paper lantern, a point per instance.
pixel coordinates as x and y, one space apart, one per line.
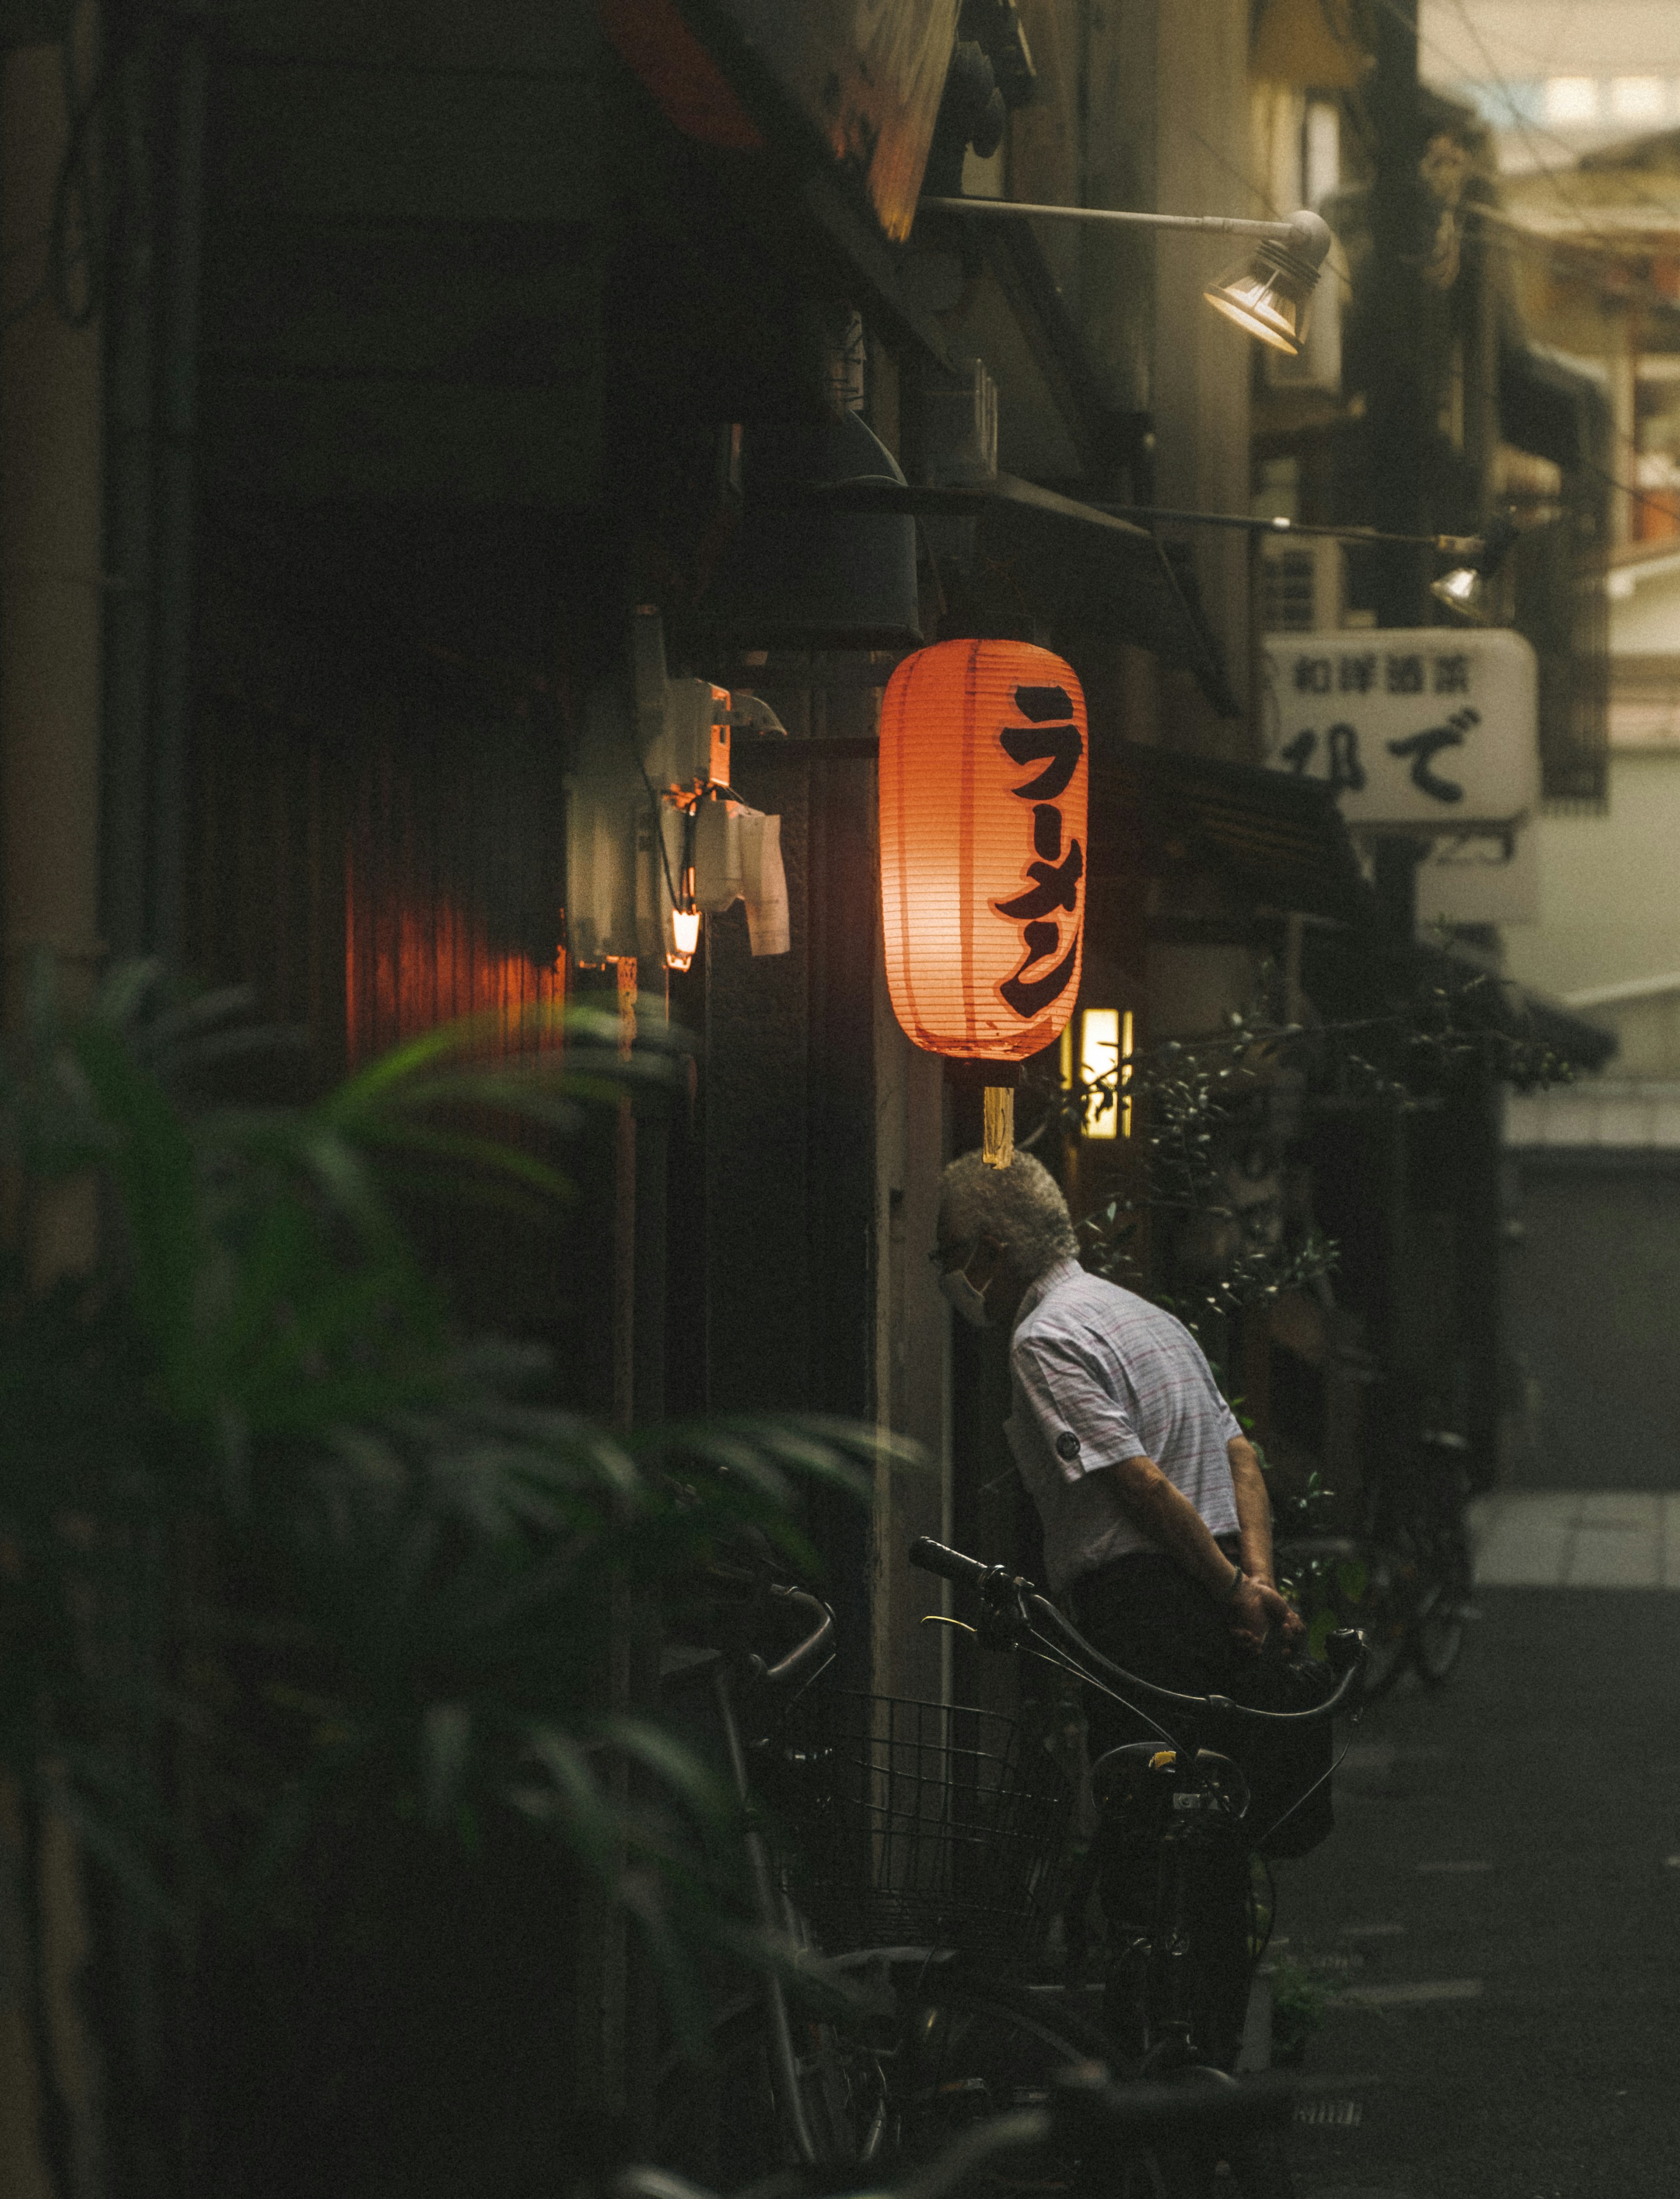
983 789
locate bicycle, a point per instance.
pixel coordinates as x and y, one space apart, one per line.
1187 1800
930 2043
1085 2115
1405 1579
928 2040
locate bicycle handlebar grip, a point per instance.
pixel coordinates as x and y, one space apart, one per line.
950 1565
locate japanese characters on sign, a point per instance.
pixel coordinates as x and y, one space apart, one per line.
1411 727
1054 874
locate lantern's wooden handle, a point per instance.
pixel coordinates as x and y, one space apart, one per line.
997 1143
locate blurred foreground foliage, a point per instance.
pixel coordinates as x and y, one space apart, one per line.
285 1563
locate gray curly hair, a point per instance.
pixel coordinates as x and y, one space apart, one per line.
1020 1206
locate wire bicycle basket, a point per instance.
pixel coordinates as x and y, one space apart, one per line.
918 1823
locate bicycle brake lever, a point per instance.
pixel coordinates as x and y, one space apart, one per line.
1004 1617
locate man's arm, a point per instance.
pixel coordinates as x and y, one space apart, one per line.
1173 1524
1254 1510
1254 1523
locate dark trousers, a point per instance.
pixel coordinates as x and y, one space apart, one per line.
1148 1615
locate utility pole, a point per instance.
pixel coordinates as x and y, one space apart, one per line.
1398 425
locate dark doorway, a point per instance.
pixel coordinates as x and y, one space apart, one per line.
1595 1319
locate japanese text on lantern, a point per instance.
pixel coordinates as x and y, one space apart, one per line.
1052 740
983 792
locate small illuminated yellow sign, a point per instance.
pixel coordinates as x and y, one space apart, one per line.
1105 1048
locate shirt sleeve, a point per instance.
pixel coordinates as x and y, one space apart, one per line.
1083 1425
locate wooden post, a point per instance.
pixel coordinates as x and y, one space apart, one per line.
997 1141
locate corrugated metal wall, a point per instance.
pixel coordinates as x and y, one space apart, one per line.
373 880
379 852
452 877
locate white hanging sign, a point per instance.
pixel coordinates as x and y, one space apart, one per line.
1421 728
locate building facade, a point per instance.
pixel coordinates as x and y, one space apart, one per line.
459 386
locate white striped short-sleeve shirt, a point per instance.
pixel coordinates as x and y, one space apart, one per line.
1100 1374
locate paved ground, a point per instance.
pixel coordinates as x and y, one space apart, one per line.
1553 1539
1497 1918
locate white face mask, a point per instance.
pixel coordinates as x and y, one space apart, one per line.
970 1304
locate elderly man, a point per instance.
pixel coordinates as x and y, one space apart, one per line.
1156 1524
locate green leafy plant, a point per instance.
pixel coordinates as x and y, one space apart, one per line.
1301 2002
284 1561
1203 1110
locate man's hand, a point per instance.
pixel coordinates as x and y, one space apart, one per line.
1256 1609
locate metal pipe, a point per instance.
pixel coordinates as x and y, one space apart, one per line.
129 510
1451 545
51 538
177 491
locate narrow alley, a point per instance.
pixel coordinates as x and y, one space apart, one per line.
1493 1929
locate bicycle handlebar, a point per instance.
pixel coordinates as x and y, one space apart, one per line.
1345 1648
953 1565
803 1653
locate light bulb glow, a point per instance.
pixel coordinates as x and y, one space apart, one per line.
1269 294
1461 590
686 931
1254 311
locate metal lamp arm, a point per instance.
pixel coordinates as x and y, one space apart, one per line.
1302 232
1230 224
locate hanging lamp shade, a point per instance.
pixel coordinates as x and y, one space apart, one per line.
1269 294
983 790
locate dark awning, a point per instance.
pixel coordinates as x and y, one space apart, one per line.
1069 561
1278 840
1548 408
1572 1038
1352 974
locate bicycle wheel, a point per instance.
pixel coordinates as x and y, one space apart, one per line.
974 2047
1438 1633
971 2048
1383 1615
889 2091
714 2118
1358 1581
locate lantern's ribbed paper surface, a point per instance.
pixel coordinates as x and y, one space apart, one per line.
983 790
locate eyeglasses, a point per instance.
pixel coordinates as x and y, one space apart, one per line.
945 1257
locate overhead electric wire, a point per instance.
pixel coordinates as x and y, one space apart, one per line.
1524 129
1529 240
1521 239
1520 123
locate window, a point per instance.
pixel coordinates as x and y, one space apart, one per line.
1638 98
1572 99
1507 103
1105 1046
